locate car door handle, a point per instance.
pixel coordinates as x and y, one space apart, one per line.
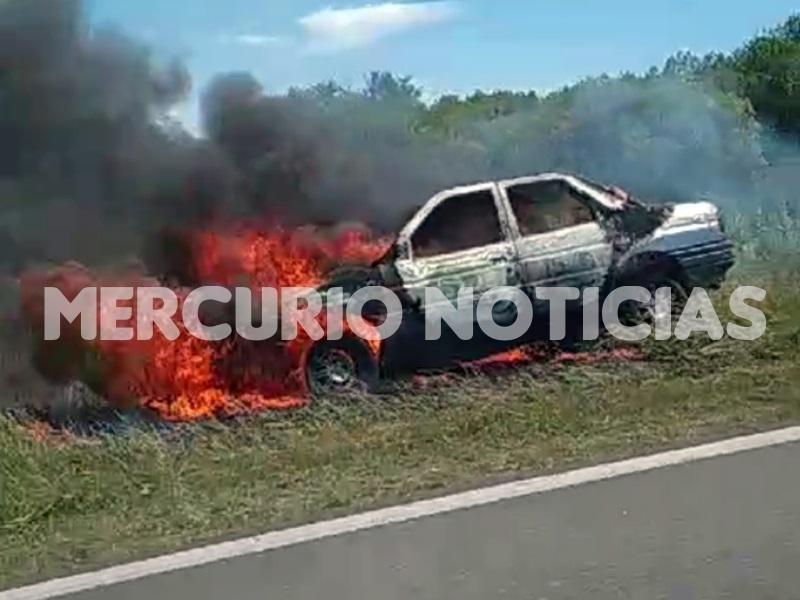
504 257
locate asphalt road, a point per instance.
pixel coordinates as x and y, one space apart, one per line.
721 528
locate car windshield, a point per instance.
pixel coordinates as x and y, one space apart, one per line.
617 193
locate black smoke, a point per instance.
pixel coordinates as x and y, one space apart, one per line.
89 160
338 156
93 167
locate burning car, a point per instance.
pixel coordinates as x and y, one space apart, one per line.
545 230
550 230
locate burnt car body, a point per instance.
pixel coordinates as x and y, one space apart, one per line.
550 229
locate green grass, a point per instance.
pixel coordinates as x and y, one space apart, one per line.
71 504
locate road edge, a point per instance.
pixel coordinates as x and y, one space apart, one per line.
275 540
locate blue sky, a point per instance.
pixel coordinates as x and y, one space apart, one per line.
454 46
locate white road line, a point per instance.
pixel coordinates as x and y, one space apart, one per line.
398 514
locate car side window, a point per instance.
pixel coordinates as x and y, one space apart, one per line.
547 206
458 223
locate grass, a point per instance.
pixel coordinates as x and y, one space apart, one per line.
71 504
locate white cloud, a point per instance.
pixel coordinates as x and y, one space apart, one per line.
252 39
333 29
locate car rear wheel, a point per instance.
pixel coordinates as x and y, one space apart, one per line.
341 367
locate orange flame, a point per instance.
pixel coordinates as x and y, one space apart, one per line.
190 379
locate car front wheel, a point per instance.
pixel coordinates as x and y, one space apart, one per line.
634 313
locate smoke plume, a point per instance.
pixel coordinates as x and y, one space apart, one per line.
92 167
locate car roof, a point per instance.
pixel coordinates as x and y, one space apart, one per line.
594 191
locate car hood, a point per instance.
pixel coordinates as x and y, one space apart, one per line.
692 213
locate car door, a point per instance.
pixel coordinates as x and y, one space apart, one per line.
460 239
559 238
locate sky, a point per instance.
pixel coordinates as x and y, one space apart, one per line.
454 46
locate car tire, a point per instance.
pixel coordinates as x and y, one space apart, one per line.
646 313
335 368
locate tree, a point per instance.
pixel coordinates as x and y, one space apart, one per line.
384 86
769 74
